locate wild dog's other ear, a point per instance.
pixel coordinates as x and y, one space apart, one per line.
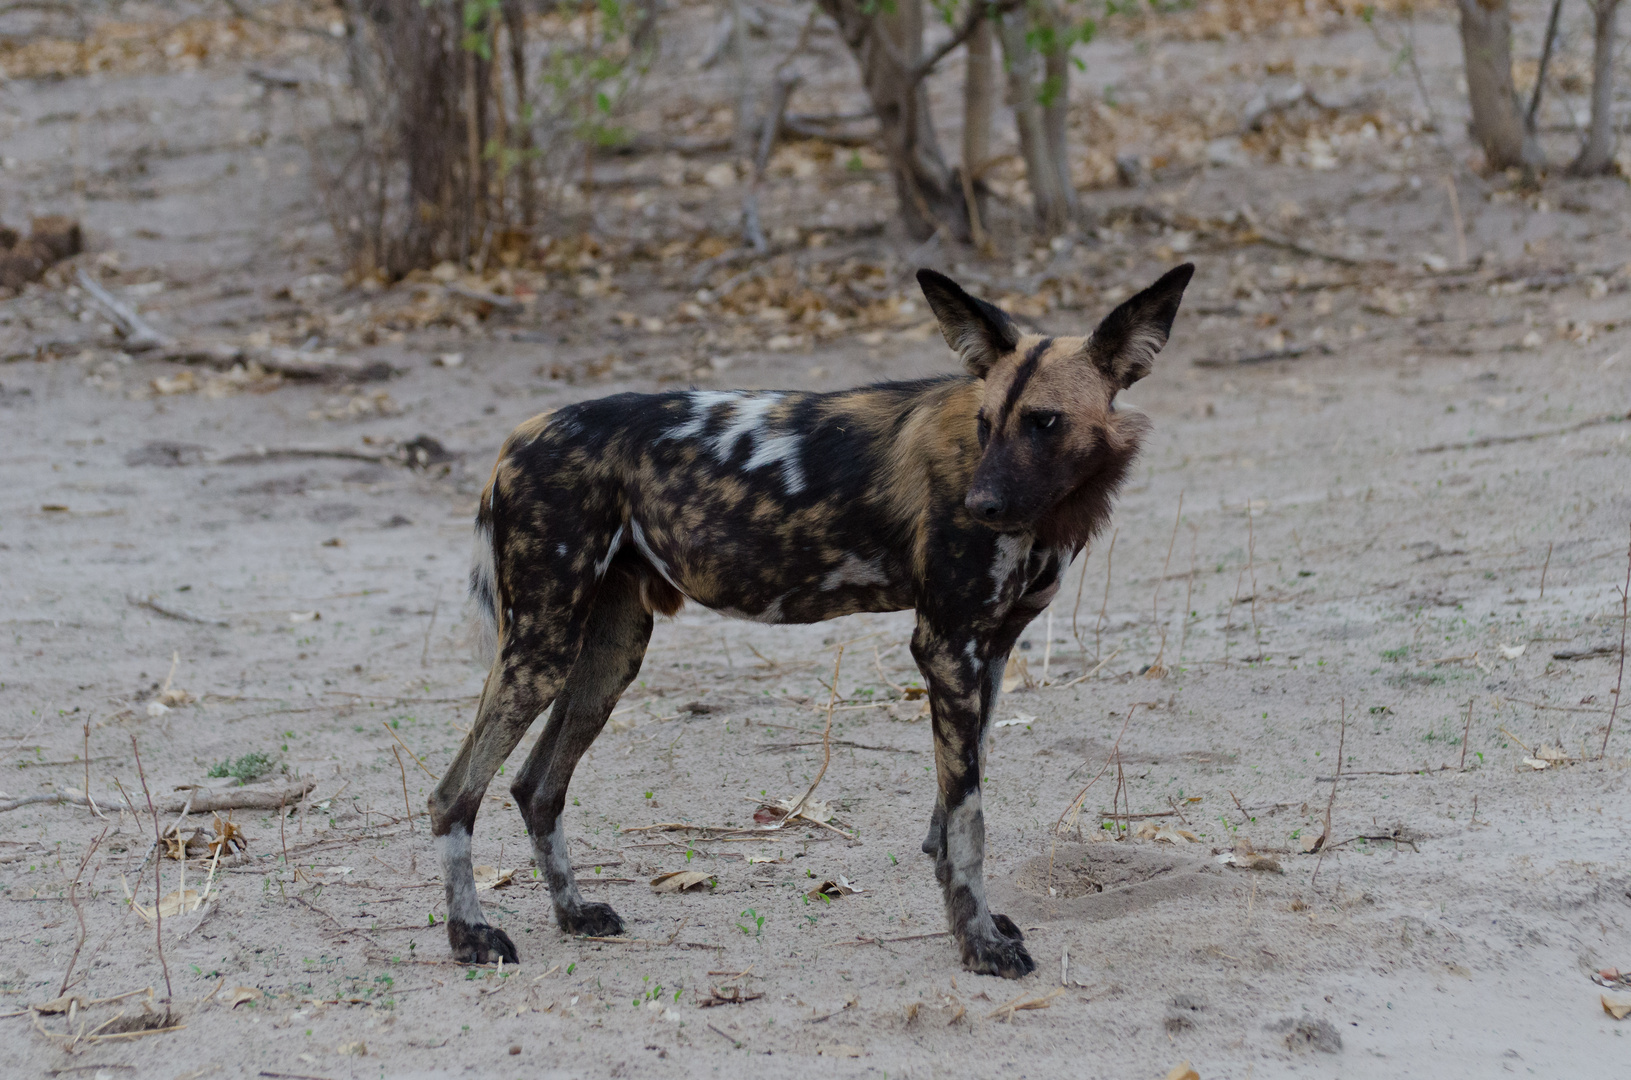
977 331
1125 344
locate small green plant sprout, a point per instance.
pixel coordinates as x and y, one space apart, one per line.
249 767
756 919
573 966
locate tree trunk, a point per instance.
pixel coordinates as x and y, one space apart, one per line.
1497 121
1597 149
979 92
1056 100
886 47
1050 199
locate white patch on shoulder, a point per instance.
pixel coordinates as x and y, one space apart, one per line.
1011 551
702 403
855 571
780 450
611 551
746 421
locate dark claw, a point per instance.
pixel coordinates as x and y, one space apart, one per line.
591 920
937 829
1006 927
1003 956
480 944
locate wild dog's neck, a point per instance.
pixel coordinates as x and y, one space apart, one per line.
1082 513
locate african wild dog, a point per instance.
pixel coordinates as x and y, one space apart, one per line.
964 497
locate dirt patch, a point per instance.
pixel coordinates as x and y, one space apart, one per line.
1093 882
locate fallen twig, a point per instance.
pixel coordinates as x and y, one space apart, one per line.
70 797
1290 353
1385 836
174 613
1423 771
1043 1002
138 334
240 798
1497 440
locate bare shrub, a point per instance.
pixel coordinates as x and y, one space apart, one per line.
462 121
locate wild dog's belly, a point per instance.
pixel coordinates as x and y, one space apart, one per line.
773 575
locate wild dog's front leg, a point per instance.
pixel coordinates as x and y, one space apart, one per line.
961 688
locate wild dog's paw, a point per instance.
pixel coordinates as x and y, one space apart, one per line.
999 955
591 920
1006 927
481 944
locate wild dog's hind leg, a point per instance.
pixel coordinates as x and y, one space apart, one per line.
614 644
539 649
962 688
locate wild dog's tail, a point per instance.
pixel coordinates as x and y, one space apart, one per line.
484 579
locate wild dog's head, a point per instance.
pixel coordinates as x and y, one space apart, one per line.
1053 446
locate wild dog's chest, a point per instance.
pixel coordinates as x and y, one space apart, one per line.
1023 573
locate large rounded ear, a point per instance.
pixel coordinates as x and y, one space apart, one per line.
1125 344
977 331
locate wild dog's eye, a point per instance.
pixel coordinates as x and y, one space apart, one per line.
982 430
1043 421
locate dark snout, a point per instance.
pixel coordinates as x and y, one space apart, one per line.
986 506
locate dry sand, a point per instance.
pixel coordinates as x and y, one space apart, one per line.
1458 913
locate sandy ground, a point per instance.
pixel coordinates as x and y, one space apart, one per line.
1359 555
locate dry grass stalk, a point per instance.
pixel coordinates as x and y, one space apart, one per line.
406 802
158 864
1460 226
90 802
1098 627
1081 580
1466 731
1619 681
1073 811
424 652
1157 670
1189 595
73 898
1251 562
826 742
1047 645
1544 567
411 754
1325 836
